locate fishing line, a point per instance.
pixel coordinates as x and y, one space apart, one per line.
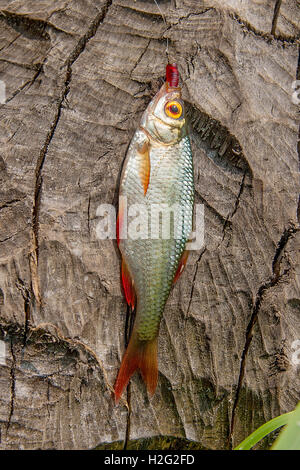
164 20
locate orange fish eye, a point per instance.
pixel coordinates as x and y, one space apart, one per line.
173 109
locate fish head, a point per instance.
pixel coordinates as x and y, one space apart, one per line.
164 118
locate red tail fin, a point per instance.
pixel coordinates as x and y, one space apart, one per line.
138 355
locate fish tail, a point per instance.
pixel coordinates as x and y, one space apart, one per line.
138 355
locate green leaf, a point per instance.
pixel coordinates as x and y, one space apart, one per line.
289 438
264 430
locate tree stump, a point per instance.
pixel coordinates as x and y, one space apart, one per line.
77 77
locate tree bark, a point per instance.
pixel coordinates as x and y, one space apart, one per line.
78 76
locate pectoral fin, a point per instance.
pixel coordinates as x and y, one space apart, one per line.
144 165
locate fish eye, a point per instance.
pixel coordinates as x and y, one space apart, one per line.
174 109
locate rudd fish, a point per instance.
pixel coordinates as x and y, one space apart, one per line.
158 171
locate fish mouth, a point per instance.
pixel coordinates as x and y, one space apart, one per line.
170 89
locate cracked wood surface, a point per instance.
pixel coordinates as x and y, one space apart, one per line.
78 76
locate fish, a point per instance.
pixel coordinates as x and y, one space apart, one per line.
157 174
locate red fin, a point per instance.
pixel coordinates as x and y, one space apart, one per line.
118 229
143 152
181 265
138 355
128 285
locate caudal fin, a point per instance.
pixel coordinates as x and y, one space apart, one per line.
138 355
